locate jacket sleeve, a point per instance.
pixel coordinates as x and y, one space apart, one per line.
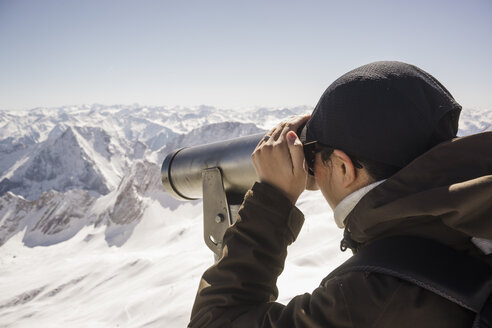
240 289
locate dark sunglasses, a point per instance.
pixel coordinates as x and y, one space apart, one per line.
310 151
314 147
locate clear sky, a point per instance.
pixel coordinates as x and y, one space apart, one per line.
231 53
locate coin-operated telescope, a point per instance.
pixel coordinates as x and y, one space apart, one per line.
220 173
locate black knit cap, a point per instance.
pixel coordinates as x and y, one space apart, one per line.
389 112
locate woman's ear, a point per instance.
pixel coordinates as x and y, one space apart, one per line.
346 169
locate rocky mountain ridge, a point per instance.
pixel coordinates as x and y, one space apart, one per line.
91 147
67 168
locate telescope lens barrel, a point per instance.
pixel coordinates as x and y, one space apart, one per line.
181 171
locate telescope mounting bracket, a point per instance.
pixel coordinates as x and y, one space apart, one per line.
218 213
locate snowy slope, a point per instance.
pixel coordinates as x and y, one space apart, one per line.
130 256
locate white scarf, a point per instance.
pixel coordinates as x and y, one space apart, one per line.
348 203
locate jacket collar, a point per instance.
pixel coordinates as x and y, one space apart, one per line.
348 203
444 195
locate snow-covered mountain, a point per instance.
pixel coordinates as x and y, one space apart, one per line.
73 167
91 148
89 237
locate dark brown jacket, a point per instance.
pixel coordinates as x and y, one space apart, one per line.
446 195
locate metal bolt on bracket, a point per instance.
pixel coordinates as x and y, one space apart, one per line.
219 218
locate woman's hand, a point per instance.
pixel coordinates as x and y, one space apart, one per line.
279 158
